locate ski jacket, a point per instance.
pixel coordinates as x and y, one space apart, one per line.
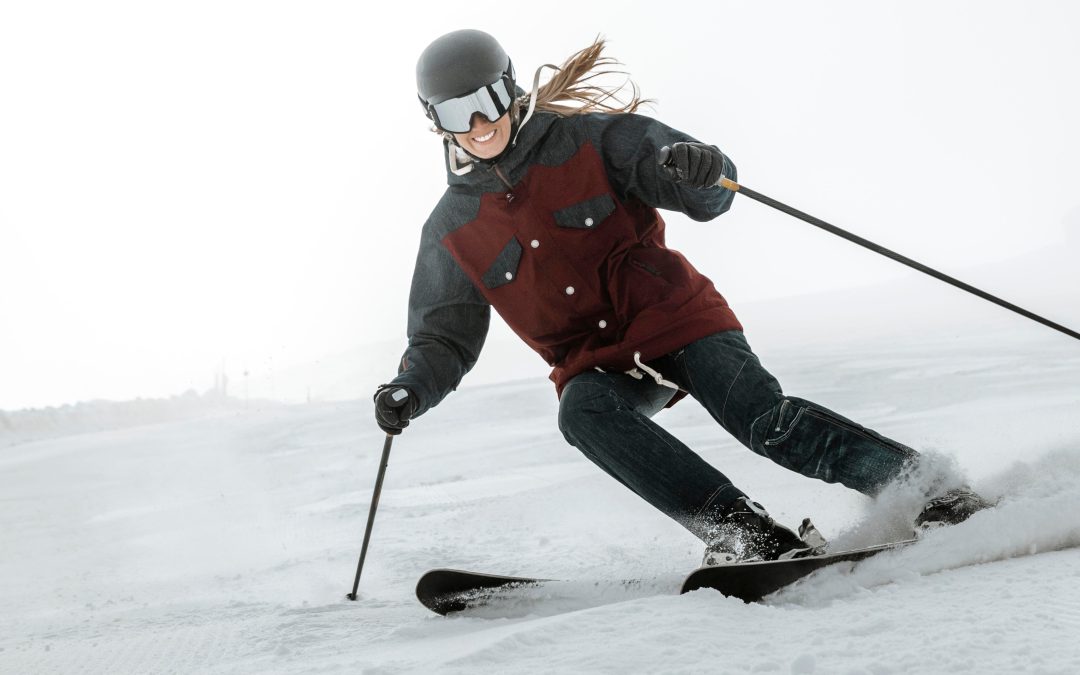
562 237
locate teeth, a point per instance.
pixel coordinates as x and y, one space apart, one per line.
485 137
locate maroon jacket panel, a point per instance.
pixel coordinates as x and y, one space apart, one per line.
584 278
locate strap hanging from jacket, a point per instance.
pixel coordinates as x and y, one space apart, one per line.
656 376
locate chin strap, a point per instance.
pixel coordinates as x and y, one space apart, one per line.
453 153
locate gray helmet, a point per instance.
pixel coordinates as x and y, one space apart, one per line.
458 63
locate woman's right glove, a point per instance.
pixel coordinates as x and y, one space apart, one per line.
394 406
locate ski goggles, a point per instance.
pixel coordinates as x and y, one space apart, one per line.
455 114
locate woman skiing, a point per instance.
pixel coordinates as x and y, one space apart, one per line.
550 216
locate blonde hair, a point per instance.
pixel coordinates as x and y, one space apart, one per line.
573 89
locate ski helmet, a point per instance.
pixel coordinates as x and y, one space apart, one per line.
463 73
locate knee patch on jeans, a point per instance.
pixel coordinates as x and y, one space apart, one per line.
750 388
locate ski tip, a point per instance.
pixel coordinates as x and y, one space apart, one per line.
445 591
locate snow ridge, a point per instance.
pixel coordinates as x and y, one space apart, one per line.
37 424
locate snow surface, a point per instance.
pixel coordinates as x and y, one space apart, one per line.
226 544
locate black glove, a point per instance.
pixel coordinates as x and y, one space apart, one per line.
694 164
394 406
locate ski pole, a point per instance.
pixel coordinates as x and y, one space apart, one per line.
371 513
865 243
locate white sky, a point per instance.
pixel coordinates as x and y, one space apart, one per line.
184 184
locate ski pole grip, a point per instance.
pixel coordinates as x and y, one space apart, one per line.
666 160
729 184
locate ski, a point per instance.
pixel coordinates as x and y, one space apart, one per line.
446 591
752 581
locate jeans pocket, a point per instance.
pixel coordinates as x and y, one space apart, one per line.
787 419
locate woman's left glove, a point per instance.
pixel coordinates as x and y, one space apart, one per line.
694 164
394 406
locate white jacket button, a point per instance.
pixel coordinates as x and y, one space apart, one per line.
569 290
588 222
603 324
534 243
509 276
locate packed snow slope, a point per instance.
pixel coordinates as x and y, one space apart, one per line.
226 544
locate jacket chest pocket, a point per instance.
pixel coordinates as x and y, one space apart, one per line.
586 215
505 267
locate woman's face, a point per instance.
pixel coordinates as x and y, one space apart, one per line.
486 139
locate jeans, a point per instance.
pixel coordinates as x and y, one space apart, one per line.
607 417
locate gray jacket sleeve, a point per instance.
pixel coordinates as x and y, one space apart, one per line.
448 322
630 143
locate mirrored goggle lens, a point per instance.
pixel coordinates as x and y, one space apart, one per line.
455 115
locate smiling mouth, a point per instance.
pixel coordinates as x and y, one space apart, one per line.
486 137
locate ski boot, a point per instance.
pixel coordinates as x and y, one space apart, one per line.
952 507
746 533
